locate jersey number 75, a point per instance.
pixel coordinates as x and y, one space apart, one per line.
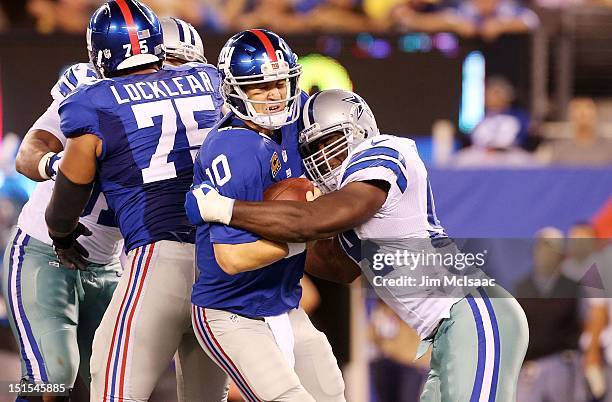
159 168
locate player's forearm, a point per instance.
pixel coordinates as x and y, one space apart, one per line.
73 184
298 222
290 221
237 258
35 145
326 260
66 205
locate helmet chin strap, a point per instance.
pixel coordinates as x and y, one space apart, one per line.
271 121
267 121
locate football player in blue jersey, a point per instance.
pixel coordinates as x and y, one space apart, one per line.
380 205
246 310
136 132
63 330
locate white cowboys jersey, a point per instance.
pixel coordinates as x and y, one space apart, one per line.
406 221
104 245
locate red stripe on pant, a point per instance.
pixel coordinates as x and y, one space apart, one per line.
113 339
129 323
233 371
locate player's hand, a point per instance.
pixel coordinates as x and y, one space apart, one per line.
52 164
203 203
314 194
70 252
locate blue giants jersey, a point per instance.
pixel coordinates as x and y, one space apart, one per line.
243 163
151 126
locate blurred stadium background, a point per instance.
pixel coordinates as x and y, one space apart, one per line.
510 105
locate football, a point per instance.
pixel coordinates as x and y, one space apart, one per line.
289 190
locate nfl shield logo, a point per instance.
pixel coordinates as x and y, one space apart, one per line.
284 154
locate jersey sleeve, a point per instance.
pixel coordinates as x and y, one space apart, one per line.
236 170
377 163
78 116
50 121
74 76
70 79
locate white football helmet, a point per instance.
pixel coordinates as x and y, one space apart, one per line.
182 41
335 122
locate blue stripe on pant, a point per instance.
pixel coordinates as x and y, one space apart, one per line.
30 352
482 351
478 350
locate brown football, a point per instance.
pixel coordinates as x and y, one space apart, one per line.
289 190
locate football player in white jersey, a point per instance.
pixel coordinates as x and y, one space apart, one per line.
379 204
55 309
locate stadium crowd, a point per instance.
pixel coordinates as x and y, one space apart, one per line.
487 18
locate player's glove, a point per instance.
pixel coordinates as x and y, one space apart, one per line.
49 164
204 204
70 252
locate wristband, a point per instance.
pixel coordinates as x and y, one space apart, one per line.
295 249
42 165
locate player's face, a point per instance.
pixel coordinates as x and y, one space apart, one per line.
273 92
328 145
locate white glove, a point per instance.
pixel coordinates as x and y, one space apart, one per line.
203 203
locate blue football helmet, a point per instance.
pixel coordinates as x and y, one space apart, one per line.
252 57
123 34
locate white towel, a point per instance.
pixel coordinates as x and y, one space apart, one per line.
280 325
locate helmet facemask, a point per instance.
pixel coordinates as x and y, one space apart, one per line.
324 151
186 53
243 107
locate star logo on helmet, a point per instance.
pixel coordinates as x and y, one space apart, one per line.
355 100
